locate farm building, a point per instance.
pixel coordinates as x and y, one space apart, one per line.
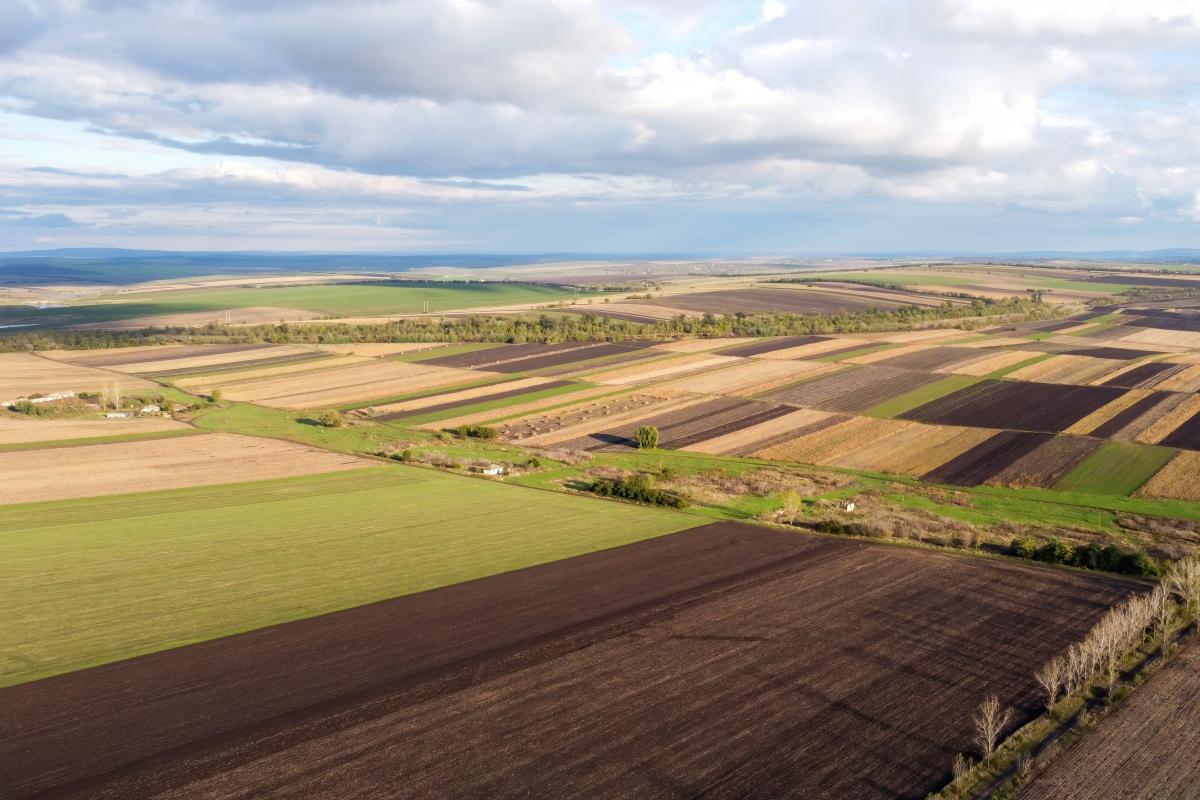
491 469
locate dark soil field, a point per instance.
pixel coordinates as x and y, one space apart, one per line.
795 433
1118 423
988 458
572 356
1046 407
1186 435
790 301
855 389
1144 376
772 344
1114 353
935 358
489 356
685 426
236 365
728 661
1048 462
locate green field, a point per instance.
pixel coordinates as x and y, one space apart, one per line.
1118 468
920 396
334 300
86 582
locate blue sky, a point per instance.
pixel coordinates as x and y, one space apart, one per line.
580 125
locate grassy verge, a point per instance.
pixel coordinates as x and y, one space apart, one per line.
1000 373
438 352
919 397
1116 468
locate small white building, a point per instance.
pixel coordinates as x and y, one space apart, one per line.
117 415
491 469
150 409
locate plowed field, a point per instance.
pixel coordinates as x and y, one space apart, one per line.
855 389
1016 405
988 458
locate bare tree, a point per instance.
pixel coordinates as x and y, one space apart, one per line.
1077 671
1051 678
1163 610
1183 579
990 722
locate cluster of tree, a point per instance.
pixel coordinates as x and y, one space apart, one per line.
646 437
1109 558
476 432
544 328
638 488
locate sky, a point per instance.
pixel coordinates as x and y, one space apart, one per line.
784 127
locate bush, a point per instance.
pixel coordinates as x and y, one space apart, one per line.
476 432
330 419
1109 558
214 396
646 437
637 488
29 409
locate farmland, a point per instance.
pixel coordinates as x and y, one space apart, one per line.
725 626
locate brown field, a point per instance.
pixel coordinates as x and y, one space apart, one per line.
542 430
1018 405
749 377
701 345
376 349
924 335
1178 480
1145 751
216 361
24 374
254 315
18 430
1043 466
1107 412
518 410
815 349
1162 427
1186 381
31 475
1073 370
360 382
479 392
728 661
207 382
932 358
828 445
661 370
988 365
914 450
744 440
1153 336
891 352
120 356
853 389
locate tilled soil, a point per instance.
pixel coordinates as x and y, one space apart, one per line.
726 661
1019 405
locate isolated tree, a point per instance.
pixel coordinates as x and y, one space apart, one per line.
1051 678
214 396
646 437
330 419
990 721
793 505
1183 579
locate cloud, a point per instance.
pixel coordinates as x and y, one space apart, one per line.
1054 107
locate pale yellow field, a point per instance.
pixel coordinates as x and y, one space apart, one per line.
749 377
206 383
216 361
701 345
812 350
1170 421
83 356
375 349
891 352
926 335
254 315
464 394
915 451
24 374
519 410
1106 412
105 469
828 445
19 430
990 364
1186 381
739 440
597 417
1152 336
1179 479
1074 370
360 382
996 341
660 370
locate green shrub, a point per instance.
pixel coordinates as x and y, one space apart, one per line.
639 489
330 419
646 437
476 432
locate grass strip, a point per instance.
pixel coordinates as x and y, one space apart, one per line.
1000 373
862 351
1116 468
438 352
87 440
920 396
485 404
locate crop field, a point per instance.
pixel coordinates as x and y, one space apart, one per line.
339 385
520 407
1047 463
490 357
15 429
824 348
935 359
662 369
840 436
992 455
1115 468
1179 479
1045 407
460 397
791 301
126 359
1145 376
1174 415
855 389
172 567
1069 369
136 466
182 360
1132 420
1145 751
1187 435
993 362
751 376
772 344
552 427
24 374
198 306
631 665
684 426
763 434
1186 380
1155 336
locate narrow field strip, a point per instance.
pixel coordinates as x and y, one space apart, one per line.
117 438
492 403
1116 468
920 396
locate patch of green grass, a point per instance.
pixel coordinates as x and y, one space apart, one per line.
367 437
875 348
91 581
438 352
1116 468
1000 373
920 396
83 441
